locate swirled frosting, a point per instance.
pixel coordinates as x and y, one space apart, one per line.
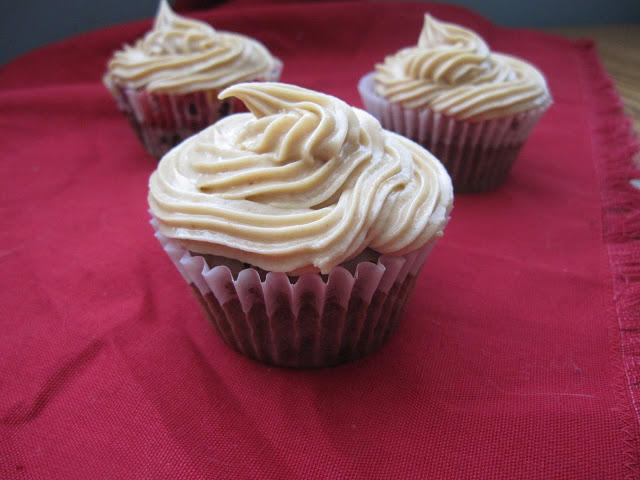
301 183
451 70
182 55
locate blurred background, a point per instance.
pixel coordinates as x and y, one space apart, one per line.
29 24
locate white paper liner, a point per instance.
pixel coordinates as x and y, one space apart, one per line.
308 321
477 155
162 120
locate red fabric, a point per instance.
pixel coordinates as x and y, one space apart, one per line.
518 357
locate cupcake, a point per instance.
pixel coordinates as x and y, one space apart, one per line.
472 108
167 83
301 225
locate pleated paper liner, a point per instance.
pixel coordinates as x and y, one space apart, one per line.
308 321
478 155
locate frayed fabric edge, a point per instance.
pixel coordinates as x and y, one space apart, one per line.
617 160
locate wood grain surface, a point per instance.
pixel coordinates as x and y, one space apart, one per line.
619 50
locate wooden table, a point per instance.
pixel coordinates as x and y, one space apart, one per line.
619 50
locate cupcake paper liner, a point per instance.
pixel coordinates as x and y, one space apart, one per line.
163 120
477 155
308 321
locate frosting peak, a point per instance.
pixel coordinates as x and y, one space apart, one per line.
441 34
448 53
301 183
316 127
176 35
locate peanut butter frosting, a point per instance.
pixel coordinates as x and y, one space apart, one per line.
301 183
452 71
182 55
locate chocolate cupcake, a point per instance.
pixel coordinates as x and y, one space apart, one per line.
301 225
470 107
167 83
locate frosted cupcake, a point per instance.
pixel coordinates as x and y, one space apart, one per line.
167 83
472 108
300 225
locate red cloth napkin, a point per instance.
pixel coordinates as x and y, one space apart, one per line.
518 357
